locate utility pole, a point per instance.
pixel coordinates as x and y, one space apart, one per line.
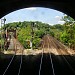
1 36
32 34
3 23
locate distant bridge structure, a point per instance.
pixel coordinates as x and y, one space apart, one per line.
10 40
10 33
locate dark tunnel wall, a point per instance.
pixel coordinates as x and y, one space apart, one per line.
7 6
30 65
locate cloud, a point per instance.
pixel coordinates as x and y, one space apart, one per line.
65 14
14 21
61 22
32 8
50 23
57 17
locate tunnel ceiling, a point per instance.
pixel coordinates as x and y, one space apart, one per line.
7 6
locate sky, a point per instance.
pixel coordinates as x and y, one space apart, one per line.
44 15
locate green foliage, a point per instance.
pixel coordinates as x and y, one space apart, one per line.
23 35
2 42
67 19
40 33
36 42
59 26
24 32
68 35
65 33
64 37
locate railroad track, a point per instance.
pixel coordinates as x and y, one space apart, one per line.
47 64
66 59
70 59
14 65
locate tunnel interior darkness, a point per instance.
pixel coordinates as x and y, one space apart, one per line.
10 6
31 63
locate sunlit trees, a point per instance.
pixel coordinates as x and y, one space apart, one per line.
64 33
68 35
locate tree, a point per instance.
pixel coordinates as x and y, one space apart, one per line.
23 35
64 38
69 30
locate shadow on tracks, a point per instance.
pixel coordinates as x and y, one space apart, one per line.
31 63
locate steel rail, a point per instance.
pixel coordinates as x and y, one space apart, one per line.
11 62
20 63
8 65
41 59
51 58
65 50
66 61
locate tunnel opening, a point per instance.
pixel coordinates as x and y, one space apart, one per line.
63 20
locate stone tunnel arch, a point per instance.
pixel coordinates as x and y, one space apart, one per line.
16 5
7 7
65 7
19 4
